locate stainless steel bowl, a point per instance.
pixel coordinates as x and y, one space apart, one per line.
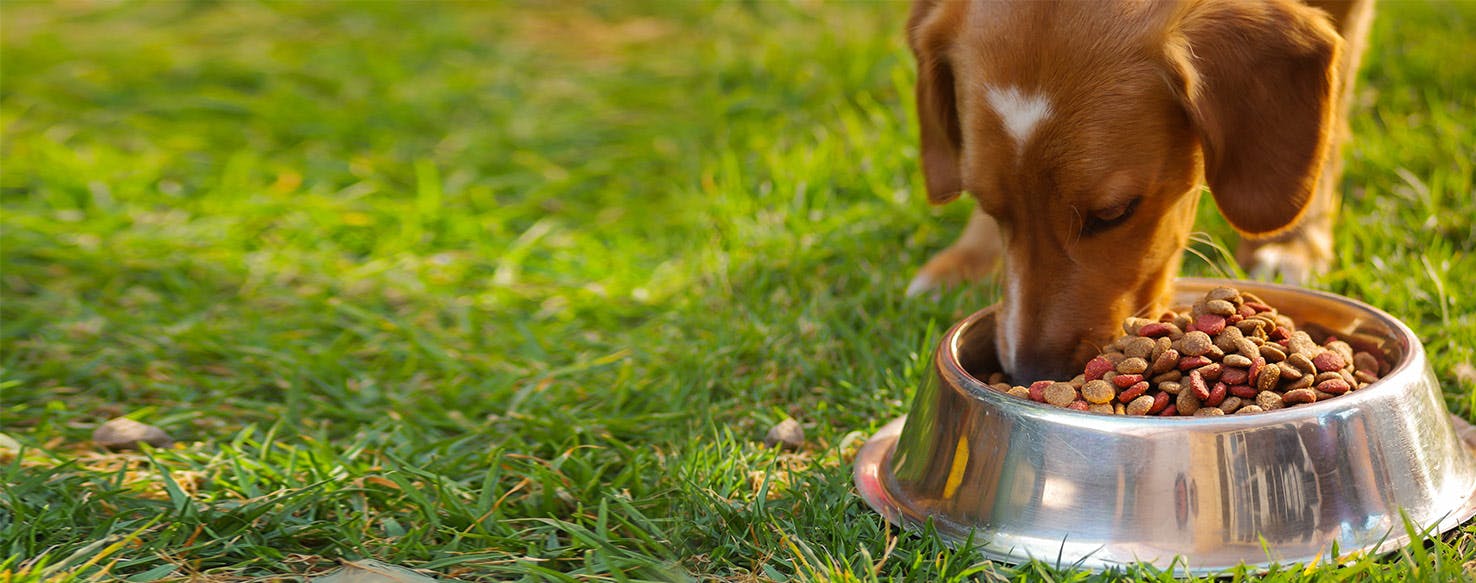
1195 495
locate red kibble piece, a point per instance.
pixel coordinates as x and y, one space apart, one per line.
1097 367
1258 307
1160 402
1243 391
1328 361
1133 392
1037 390
1078 404
1210 324
1280 333
1192 362
1234 376
1234 319
1216 395
1333 386
1124 381
1257 364
1197 384
1245 311
1170 411
1154 330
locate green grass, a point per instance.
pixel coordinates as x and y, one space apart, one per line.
509 291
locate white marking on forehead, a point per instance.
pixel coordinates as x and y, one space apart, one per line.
1021 112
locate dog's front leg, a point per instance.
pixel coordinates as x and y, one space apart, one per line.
974 256
1307 249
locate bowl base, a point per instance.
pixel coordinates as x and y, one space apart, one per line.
878 488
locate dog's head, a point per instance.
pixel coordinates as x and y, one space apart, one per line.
1085 130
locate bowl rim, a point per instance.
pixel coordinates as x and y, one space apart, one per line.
976 388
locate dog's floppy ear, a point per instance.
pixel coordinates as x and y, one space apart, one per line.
937 110
1257 79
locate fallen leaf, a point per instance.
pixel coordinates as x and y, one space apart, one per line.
125 433
372 571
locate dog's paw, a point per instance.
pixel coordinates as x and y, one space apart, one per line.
951 267
1295 261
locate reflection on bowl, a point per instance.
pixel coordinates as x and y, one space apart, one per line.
1033 481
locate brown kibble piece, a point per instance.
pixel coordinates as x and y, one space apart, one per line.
1139 347
1195 343
1165 361
1248 409
1104 408
1098 391
1226 339
1187 403
1270 374
1272 352
1228 294
1327 376
1269 401
1171 388
1159 347
1060 394
1172 376
1299 396
1132 365
1219 308
1140 405
1248 348
1301 343
1230 404
1208 412
1020 392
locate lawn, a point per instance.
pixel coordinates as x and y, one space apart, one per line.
514 290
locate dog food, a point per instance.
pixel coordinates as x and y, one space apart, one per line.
1229 353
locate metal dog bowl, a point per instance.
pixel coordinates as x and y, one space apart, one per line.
1195 495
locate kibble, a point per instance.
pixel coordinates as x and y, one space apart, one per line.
1132 365
1299 396
1060 394
1140 405
1098 391
1228 353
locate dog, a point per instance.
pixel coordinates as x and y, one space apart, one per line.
1085 130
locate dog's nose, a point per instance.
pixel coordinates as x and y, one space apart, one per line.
1032 364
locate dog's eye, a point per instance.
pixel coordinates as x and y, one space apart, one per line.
1103 219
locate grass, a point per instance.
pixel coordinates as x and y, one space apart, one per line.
513 291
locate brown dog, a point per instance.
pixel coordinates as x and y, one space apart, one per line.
1085 130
